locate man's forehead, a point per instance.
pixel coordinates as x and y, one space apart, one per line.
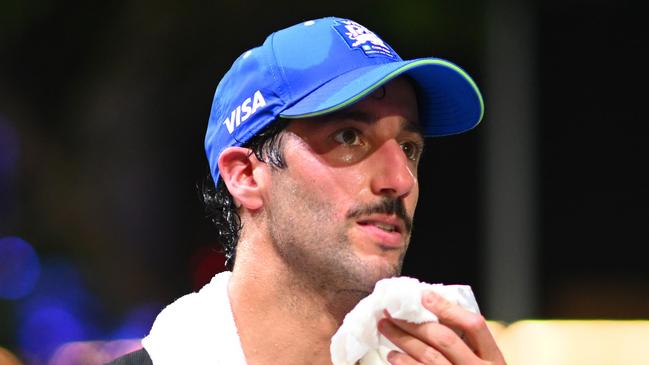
365 116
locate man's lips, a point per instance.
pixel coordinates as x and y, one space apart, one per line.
387 230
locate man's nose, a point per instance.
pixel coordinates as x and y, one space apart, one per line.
392 171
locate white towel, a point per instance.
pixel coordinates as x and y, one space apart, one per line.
359 339
197 329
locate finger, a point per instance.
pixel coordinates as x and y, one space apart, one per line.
412 346
439 336
472 325
399 358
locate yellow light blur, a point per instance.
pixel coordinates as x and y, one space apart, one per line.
575 342
7 358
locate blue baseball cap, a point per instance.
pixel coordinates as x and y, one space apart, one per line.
324 65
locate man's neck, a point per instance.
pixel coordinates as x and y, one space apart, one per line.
281 320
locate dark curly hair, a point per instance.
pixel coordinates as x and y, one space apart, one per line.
219 204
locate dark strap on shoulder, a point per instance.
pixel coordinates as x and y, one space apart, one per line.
139 357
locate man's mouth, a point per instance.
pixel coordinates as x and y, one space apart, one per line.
387 215
387 231
382 225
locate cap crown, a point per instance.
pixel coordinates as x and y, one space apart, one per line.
290 64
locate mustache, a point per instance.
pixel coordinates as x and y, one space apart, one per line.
386 206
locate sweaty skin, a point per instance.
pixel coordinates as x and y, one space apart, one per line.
319 233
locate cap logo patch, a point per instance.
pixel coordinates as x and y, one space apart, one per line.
359 37
242 112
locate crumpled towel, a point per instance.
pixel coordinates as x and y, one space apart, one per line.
359 339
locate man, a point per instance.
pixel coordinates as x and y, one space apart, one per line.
313 141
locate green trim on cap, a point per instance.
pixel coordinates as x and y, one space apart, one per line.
390 76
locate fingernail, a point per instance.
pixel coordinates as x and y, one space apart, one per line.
391 355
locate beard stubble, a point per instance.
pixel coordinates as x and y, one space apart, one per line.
313 241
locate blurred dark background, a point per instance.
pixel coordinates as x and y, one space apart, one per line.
103 108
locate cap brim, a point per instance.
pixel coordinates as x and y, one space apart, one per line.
450 102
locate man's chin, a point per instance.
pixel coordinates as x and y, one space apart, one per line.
384 263
375 268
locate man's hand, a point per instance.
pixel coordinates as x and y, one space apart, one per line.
460 337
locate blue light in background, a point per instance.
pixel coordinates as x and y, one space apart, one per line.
47 327
19 268
58 311
138 321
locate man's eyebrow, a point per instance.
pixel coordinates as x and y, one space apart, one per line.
365 117
414 127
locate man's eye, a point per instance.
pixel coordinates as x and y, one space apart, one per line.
411 149
348 137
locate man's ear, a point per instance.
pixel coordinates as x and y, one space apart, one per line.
236 166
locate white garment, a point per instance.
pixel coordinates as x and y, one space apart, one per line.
197 329
358 337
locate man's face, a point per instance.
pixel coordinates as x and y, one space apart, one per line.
340 214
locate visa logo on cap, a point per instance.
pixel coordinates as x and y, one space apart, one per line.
242 112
